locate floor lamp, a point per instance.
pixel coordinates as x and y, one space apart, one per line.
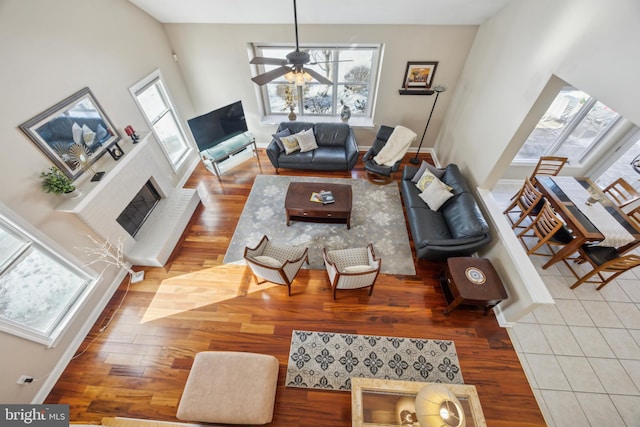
438 90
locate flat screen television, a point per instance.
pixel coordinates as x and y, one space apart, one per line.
218 125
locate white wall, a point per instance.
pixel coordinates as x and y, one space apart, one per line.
587 43
50 50
215 63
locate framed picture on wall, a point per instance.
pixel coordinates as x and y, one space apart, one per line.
419 75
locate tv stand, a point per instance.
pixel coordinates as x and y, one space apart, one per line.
222 153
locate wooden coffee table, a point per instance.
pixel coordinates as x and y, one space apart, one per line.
299 208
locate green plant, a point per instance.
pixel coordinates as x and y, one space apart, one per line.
55 181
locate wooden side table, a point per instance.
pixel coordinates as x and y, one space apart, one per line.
471 280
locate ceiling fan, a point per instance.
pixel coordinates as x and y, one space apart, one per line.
292 67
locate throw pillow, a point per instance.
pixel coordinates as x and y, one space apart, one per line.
419 172
428 178
101 134
88 136
436 194
357 268
307 140
276 137
439 173
290 144
268 261
76 131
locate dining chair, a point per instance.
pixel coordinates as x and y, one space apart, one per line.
604 260
525 203
621 192
548 229
548 165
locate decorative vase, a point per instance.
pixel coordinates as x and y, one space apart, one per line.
292 115
345 114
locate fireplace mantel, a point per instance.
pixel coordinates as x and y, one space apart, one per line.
101 202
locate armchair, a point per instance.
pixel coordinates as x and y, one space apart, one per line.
381 173
352 268
275 263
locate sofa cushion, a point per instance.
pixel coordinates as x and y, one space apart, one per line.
463 217
454 179
285 160
427 225
330 155
295 127
331 134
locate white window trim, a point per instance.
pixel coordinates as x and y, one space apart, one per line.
53 250
364 120
138 87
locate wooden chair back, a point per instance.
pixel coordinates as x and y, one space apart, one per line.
524 203
544 227
549 165
621 192
616 267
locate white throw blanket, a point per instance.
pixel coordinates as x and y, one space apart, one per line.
397 145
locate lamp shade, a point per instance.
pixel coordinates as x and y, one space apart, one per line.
437 406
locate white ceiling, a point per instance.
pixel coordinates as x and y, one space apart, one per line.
419 12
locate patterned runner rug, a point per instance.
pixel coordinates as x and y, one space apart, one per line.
327 360
376 217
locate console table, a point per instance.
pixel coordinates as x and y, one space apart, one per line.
213 157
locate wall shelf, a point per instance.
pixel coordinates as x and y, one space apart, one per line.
415 92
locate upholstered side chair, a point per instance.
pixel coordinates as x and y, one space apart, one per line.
354 268
275 263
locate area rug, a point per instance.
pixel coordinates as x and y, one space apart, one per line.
376 217
326 360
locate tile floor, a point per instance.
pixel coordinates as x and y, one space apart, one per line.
582 355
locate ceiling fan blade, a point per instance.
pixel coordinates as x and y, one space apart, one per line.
265 78
319 77
267 61
330 62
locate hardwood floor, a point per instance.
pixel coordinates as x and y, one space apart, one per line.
138 365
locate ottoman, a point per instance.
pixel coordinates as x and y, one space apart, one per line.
229 387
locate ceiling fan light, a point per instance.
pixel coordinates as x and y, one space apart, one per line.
307 77
290 76
300 79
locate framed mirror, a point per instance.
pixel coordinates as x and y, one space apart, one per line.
75 125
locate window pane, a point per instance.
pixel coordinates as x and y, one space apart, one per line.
37 291
560 115
355 96
170 137
318 99
595 124
11 246
153 103
278 96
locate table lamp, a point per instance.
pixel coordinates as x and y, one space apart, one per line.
437 406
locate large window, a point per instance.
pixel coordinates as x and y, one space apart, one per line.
39 290
353 71
154 101
572 126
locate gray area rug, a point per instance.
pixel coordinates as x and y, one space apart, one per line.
328 360
376 217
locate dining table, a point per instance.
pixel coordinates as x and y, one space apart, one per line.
589 214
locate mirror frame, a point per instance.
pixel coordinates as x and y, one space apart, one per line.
59 118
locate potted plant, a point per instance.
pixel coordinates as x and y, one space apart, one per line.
55 181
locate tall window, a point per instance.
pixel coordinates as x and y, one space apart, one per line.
353 71
39 290
154 101
574 123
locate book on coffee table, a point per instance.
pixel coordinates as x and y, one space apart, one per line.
327 197
315 197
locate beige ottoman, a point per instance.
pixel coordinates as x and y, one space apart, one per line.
230 387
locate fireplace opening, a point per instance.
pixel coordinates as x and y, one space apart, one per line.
138 210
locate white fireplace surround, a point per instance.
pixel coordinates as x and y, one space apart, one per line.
101 202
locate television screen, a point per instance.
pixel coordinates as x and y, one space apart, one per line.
218 125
